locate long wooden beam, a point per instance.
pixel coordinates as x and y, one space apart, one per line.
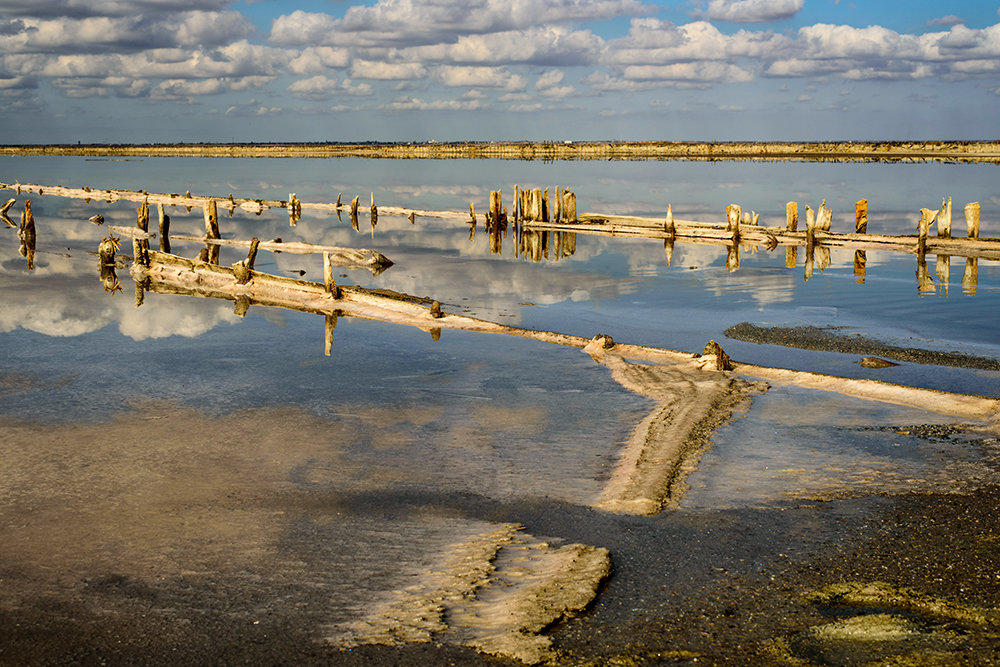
172 274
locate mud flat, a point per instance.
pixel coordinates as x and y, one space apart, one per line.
830 340
844 151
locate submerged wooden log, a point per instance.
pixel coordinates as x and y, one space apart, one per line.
345 257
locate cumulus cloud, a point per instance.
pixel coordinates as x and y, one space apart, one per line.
320 88
481 77
415 104
753 11
369 69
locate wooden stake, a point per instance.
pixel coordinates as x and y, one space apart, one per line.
733 215
860 260
558 213
243 269
927 217
810 228
545 206
164 228
668 226
211 220
374 213
328 282
861 216
972 219
824 216
791 216
944 218
472 214
517 204
140 247
569 206
942 267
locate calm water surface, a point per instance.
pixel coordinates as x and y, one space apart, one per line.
403 443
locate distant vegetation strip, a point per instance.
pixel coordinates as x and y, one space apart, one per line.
566 150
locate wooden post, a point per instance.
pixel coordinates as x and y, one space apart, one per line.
243 269
536 205
733 215
545 206
331 324
472 214
824 216
517 204
354 213
557 216
496 206
436 310
668 226
374 214
792 216
242 305
861 216
927 217
569 244
668 249
944 218
164 228
810 227
140 246
328 282
211 219
569 206
294 209
26 234
972 219
791 224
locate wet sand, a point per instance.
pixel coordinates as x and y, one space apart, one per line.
569 150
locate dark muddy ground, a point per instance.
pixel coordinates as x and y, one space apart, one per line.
829 339
708 588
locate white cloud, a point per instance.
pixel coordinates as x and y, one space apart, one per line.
320 88
553 77
369 69
480 77
415 104
316 59
753 11
303 28
697 73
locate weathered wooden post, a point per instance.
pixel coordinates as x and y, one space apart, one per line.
164 228
569 206
328 282
6 218
810 228
243 269
537 205
944 218
435 311
668 225
927 217
972 219
925 284
791 224
140 246
733 215
861 216
860 227
331 324
294 209
26 235
354 213
557 216
516 210
496 207
374 215
545 206
211 230
107 249
824 217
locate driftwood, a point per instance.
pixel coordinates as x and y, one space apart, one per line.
172 274
345 257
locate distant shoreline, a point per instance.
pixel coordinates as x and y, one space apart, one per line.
862 151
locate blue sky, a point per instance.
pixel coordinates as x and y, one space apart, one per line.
318 70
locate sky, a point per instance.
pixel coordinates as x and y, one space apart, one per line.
155 71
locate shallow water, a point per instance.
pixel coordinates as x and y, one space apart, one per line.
369 463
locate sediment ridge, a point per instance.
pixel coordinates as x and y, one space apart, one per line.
986 151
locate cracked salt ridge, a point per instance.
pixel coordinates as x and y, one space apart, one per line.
495 592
